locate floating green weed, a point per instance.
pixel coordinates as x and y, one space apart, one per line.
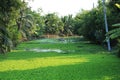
89 62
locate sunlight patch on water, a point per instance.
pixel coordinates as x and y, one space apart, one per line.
59 40
10 65
46 50
52 50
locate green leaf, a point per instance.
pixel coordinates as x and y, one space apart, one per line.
116 25
117 5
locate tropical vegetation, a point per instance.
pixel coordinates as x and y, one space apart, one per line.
78 50
19 23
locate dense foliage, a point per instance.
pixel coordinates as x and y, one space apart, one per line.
19 23
9 11
16 24
90 24
53 24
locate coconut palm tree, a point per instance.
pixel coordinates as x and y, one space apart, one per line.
5 42
25 23
68 24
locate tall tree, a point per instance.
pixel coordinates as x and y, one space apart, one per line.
68 25
8 12
53 24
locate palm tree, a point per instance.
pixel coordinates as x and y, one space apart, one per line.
25 23
5 42
68 25
53 24
8 13
115 33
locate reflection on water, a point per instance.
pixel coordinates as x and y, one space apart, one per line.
46 50
52 50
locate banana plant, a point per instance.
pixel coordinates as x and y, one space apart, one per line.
115 33
117 5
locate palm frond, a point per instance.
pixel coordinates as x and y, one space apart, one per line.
115 33
29 16
116 25
3 31
29 24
